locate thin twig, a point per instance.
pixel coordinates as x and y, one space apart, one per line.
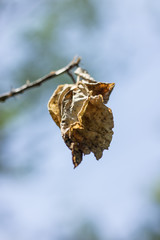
38 82
71 75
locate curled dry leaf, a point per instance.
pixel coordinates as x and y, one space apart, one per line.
79 111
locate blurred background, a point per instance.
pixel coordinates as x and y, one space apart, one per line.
41 195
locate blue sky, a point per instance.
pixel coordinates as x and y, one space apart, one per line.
114 192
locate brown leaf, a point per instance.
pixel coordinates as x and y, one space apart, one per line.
78 109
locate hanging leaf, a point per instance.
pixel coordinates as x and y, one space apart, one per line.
79 111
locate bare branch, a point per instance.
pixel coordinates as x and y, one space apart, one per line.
38 82
71 75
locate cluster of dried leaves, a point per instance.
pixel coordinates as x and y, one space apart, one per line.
79 111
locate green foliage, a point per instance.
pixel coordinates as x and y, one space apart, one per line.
86 231
156 194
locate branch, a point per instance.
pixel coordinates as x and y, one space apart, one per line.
38 82
71 75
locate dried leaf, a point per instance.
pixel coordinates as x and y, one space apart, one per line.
85 122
